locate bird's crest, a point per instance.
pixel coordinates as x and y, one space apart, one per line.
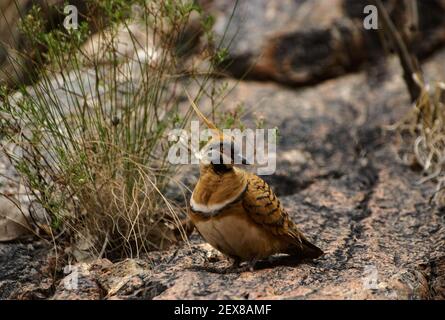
216 132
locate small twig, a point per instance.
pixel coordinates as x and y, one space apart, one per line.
104 246
407 60
413 11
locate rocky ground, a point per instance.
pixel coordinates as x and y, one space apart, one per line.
342 182
341 177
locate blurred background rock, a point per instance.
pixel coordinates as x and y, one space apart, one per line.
295 42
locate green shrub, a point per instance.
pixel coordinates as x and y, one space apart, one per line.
90 136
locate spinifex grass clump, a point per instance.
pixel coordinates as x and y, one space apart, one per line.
425 125
90 136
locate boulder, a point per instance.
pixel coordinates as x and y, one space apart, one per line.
304 42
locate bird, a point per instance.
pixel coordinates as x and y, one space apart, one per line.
236 211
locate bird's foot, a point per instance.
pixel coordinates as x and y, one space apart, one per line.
236 267
250 265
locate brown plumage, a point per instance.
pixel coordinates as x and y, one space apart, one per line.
238 214
253 224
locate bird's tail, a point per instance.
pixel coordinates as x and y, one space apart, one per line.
305 249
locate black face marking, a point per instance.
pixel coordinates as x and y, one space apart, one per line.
221 168
224 144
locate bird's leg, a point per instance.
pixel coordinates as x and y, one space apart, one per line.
234 266
250 266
